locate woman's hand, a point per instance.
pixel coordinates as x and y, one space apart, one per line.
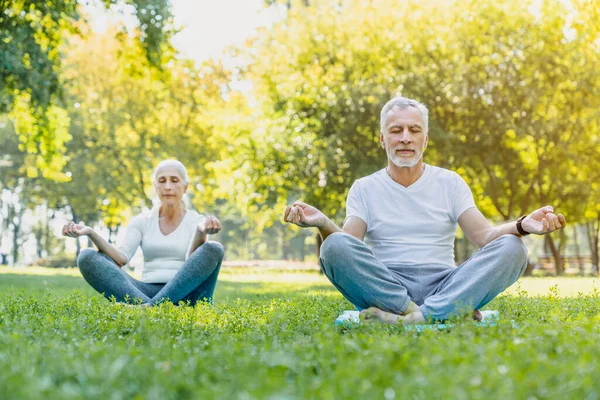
210 225
76 230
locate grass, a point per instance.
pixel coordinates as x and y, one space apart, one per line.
270 335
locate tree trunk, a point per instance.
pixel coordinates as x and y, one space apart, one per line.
77 244
457 250
529 269
593 231
319 242
285 244
47 232
39 234
110 235
466 249
558 260
16 222
578 252
303 248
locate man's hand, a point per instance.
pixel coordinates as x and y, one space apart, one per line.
76 230
543 221
305 216
209 226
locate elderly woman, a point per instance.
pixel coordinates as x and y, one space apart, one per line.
179 262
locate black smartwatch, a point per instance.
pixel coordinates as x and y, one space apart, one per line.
522 231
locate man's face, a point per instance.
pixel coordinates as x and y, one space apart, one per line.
404 138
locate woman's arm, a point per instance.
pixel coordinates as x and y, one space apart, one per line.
208 226
76 230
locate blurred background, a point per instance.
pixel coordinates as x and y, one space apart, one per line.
267 102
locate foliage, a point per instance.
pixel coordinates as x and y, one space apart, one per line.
512 93
126 117
277 342
31 34
513 100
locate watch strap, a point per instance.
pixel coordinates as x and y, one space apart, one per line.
520 229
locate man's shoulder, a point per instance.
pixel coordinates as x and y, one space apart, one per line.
374 178
443 173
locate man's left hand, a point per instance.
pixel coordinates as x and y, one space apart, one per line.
543 221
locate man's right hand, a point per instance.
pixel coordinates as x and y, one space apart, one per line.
304 215
76 230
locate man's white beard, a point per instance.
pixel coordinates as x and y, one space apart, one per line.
402 162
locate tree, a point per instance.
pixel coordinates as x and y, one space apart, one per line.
31 34
511 95
126 117
514 92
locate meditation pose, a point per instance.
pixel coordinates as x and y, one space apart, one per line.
179 262
408 212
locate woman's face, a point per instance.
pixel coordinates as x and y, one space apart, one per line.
169 186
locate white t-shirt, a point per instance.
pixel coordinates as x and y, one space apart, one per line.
415 225
163 255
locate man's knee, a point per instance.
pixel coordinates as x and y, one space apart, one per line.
334 250
514 246
514 250
335 246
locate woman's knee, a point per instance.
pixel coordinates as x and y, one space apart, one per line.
85 259
214 248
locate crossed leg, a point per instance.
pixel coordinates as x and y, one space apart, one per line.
368 284
479 280
196 280
365 281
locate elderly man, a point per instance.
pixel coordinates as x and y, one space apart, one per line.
408 212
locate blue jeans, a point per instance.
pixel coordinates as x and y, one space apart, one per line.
441 291
196 280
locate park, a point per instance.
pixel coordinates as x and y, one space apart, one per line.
192 195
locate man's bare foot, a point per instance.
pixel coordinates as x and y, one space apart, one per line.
412 315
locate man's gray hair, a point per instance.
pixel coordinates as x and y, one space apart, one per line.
402 103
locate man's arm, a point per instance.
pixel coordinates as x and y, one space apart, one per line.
478 229
306 216
355 227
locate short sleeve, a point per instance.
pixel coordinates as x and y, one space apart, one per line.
196 220
463 197
133 237
355 204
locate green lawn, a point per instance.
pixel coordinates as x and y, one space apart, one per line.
271 335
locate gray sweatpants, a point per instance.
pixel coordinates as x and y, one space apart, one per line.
440 291
195 280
